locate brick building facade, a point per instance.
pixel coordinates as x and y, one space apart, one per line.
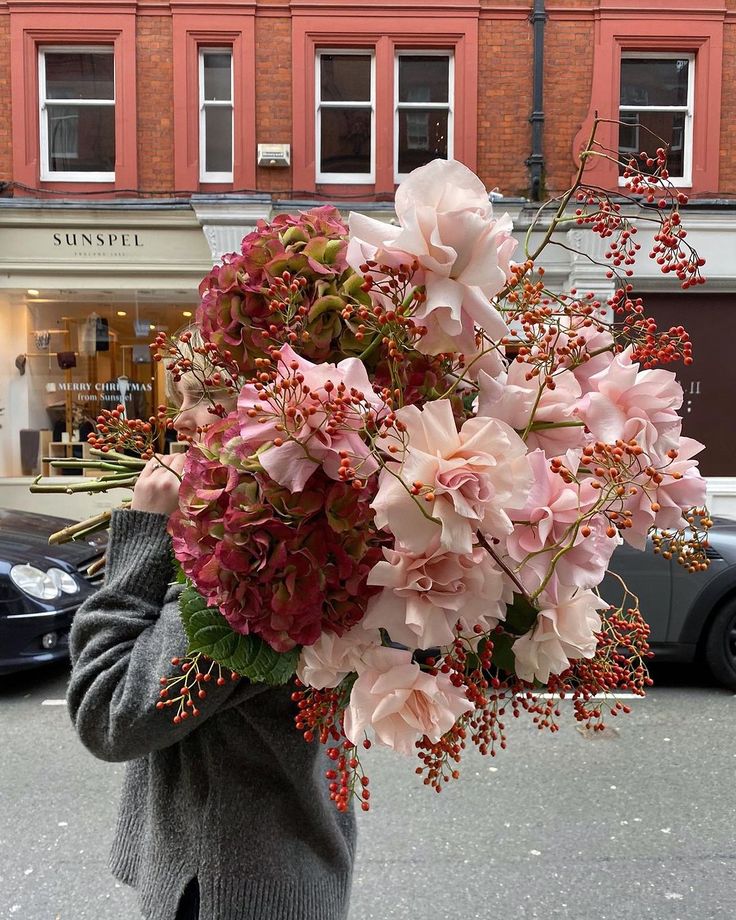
355 93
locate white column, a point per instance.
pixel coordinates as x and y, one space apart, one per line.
14 387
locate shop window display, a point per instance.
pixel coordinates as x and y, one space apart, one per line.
82 358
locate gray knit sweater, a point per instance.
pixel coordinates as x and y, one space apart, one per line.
235 797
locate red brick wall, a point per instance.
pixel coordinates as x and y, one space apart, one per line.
273 95
6 140
155 104
504 96
504 103
568 71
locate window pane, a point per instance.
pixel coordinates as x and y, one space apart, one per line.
346 140
217 83
79 75
81 138
218 139
345 77
422 137
424 78
654 81
664 128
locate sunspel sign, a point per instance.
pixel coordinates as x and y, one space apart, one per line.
103 243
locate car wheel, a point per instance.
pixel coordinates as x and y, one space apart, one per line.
720 645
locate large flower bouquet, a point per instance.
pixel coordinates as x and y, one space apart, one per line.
419 465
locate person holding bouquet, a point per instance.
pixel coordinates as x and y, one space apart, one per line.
225 816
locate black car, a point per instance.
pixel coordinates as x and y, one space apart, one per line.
41 587
691 615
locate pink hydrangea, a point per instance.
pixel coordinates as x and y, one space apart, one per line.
425 594
234 305
562 633
318 411
446 223
401 703
473 475
279 566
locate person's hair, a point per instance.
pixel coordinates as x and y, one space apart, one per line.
201 363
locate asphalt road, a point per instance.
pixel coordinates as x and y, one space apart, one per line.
632 824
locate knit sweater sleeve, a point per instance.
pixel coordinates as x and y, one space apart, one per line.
122 641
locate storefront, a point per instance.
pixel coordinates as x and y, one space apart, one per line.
83 291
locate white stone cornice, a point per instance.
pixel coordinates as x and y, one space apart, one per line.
225 222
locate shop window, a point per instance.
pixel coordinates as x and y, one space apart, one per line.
345 129
656 108
77 114
85 357
423 109
216 114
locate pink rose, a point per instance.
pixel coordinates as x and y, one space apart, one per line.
331 658
315 394
547 521
512 398
400 702
447 225
562 633
630 404
473 475
588 347
673 495
425 595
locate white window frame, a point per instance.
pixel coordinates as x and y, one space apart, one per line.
204 104
685 180
47 174
448 106
343 178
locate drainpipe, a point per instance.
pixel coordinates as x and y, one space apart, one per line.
537 17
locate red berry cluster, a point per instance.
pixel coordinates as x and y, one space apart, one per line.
674 255
319 716
196 671
651 347
117 433
687 548
213 368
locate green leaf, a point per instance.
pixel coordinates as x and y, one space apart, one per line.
210 634
503 658
520 615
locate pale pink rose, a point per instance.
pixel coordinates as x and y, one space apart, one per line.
547 522
446 223
633 405
474 475
512 398
331 658
400 702
313 387
674 496
592 340
425 594
561 634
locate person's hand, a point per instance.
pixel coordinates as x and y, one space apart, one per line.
157 489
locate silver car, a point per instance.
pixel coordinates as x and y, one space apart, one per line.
691 616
